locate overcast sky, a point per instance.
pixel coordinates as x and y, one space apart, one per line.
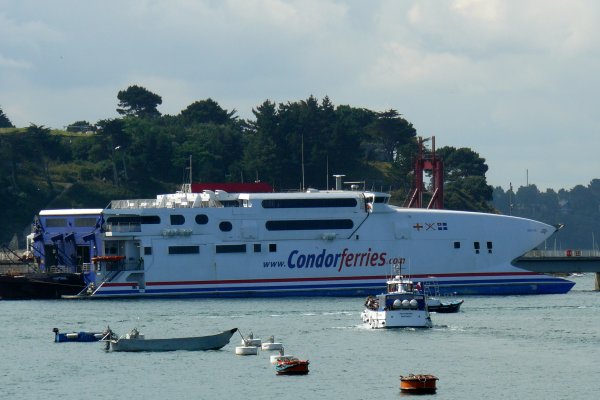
516 81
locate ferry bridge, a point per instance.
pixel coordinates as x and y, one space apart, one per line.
562 261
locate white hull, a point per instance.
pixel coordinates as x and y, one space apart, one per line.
252 250
397 319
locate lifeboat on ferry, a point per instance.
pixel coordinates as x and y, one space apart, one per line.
107 258
421 383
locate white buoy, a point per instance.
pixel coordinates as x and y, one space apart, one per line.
270 344
250 341
246 350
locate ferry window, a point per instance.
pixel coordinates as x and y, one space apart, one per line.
184 249
144 219
147 251
231 248
309 224
476 247
381 199
489 247
201 219
457 245
230 203
225 226
111 249
177 219
257 248
85 222
272 247
56 222
309 203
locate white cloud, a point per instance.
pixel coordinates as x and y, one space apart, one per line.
507 78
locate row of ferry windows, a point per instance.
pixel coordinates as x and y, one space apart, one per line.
85 222
226 226
220 249
477 246
241 248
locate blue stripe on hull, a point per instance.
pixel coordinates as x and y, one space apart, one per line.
462 287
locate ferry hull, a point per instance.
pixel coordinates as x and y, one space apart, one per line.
40 285
525 284
331 243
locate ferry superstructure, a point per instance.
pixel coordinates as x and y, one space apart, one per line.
310 243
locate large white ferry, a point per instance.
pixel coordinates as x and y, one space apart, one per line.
332 242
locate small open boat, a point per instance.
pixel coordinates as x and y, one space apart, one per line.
438 304
135 341
418 383
447 306
290 365
82 336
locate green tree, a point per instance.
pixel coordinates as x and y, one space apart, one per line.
139 102
113 144
80 126
390 131
261 159
206 111
4 121
469 194
465 186
460 163
48 148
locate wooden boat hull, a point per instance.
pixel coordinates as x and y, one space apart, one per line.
40 285
298 367
418 384
199 343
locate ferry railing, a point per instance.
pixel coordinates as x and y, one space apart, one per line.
121 266
137 203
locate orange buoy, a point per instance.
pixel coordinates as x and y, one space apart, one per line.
418 383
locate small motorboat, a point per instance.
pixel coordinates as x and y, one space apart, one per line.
418 384
439 302
437 305
135 341
82 336
290 365
403 306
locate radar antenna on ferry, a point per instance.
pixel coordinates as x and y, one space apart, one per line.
187 187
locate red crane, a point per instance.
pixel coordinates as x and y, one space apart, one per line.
433 164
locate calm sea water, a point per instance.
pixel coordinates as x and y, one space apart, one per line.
526 347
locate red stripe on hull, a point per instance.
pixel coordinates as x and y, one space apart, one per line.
332 278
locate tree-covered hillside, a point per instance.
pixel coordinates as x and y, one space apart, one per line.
577 209
291 145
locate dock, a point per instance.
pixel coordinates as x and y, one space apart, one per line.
562 261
